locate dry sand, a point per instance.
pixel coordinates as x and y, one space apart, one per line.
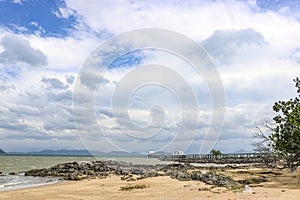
157 188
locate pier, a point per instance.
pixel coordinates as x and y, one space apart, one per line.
223 158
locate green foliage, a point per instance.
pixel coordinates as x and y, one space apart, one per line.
215 152
132 187
286 133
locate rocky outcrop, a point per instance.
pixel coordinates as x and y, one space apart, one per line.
214 179
73 171
122 168
180 172
126 171
78 171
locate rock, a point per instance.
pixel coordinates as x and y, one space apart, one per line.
214 179
99 169
73 170
149 174
73 177
177 167
128 177
180 175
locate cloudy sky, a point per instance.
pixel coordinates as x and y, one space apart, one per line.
254 45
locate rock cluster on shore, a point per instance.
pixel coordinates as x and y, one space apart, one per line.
73 170
102 169
180 172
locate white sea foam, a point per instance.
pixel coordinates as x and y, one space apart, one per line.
11 182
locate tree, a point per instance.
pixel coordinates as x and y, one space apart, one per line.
286 133
261 141
215 152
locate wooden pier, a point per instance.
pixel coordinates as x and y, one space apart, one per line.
223 158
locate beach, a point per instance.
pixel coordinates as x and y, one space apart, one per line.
109 179
156 188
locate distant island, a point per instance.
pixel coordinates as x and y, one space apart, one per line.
64 152
2 152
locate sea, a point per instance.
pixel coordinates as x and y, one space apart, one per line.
12 168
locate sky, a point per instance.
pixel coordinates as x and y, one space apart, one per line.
45 46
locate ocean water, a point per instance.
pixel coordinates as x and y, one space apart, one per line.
11 182
19 164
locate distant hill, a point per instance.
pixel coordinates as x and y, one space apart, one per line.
2 152
242 151
118 153
63 152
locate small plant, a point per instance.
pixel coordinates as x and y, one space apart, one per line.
216 192
252 181
133 187
237 188
204 189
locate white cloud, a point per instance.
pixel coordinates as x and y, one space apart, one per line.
54 83
225 44
63 12
17 1
5 86
256 53
66 53
70 79
17 49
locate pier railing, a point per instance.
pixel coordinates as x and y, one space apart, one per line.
190 157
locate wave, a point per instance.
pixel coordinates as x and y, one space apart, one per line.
12 182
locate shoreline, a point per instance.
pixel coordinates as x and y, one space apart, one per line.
156 188
53 180
23 182
121 180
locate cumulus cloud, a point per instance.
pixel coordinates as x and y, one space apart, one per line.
61 97
5 86
17 49
224 44
54 83
295 55
70 79
255 59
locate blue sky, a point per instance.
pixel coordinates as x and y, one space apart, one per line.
43 45
44 17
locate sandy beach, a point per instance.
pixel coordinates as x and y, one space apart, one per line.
156 188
